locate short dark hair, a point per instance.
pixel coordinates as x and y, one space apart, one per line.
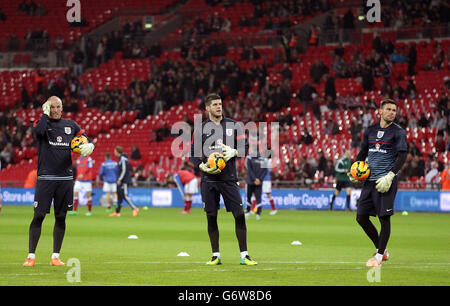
119 149
387 101
210 97
108 155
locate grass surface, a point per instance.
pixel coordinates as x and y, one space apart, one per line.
333 252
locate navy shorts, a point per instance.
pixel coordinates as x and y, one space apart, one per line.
229 190
256 190
60 192
374 203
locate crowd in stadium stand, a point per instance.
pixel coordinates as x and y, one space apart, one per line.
174 82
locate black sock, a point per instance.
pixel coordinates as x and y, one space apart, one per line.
385 232
35 231
248 206
348 201
332 200
213 231
241 231
58 231
368 228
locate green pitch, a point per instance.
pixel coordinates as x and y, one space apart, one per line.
333 252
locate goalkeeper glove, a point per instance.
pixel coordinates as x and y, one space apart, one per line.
204 167
46 108
384 183
352 179
86 149
228 152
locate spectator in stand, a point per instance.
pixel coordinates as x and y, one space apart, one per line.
249 54
23 7
417 167
432 176
59 47
423 121
135 153
440 142
306 172
13 43
138 176
331 128
412 59
356 129
317 70
313 36
349 20
321 162
7 154
412 122
78 58
367 78
330 87
286 72
30 182
329 169
340 68
439 122
445 179
306 139
398 57
305 95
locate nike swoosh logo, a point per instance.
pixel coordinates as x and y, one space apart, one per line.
70 205
388 209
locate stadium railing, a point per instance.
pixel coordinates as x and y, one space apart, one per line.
276 184
356 36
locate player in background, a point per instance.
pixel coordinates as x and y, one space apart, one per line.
83 183
267 186
108 174
123 181
267 189
55 175
342 169
30 181
216 134
385 147
256 171
187 184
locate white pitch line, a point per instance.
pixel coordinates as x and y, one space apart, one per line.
280 262
25 274
261 262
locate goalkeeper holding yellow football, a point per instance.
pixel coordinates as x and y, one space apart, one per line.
384 145
55 175
220 134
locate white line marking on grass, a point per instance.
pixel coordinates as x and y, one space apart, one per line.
25 274
281 262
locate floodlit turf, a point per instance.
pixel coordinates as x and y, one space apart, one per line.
333 252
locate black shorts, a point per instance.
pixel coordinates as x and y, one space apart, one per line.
61 192
374 203
342 185
229 190
256 190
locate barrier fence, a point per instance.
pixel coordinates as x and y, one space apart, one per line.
406 200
